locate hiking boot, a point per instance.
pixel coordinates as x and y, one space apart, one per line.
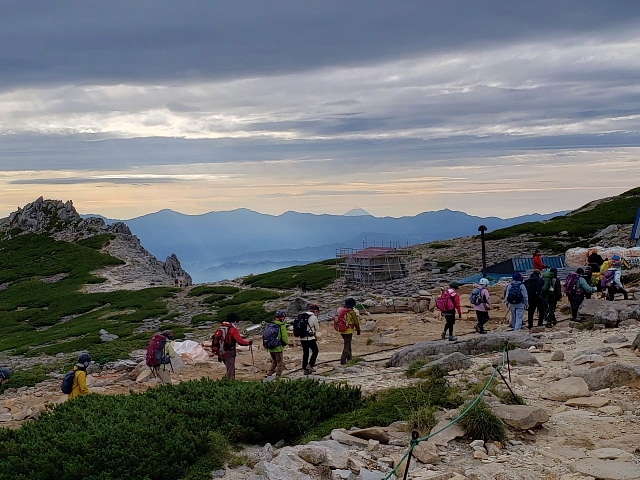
483 331
311 369
452 338
477 329
548 325
444 335
307 371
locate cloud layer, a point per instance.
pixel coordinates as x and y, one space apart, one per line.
396 107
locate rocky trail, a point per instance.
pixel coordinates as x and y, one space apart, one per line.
571 432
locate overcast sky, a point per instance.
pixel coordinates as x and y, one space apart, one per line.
495 108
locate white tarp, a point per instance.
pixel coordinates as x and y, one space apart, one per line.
191 352
577 257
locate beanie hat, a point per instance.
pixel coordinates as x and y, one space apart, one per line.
454 285
350 303
517 277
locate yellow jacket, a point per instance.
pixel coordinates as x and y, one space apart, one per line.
353 322
79 384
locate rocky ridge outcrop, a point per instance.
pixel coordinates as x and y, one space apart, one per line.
61 221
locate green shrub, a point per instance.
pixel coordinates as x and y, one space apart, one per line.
202 318
215 298
317 275
97 241
252 312
252 295
481 423
168 432
439 245
215 289
412 370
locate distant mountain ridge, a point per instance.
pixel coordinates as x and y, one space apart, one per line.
228 244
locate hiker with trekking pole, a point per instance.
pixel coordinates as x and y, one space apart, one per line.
159 356
224 341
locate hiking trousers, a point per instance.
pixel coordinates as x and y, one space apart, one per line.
230 363
450 321
575 301
309 346
483 318
535 304
611 292
277 363
517 315
552 304
346 348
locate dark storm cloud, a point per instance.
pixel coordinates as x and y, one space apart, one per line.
43 42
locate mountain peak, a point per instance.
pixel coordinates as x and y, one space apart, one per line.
356 212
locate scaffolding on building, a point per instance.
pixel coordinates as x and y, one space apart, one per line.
374 264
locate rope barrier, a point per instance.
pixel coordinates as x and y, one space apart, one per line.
416 441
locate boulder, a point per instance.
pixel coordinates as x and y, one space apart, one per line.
557 356
426 452
473 345
329 453
617 338
453 361
608 469
272 471
521 417
610 376
566 388
522 358
372 433
346 439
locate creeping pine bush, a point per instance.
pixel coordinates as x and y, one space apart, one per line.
481 423
169 432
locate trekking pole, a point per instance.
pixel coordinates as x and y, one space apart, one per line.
414 436
251 350
515 397
506 347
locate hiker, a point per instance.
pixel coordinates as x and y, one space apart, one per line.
274 340
538 264
551 295
309 327
595 260
450 313
482 309
515 296
5 375
158 356
534 285
575 288
345 322
224 343
612 279
304 287
80 378
588 275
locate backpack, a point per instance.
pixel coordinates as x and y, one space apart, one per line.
67 382
476 296
445 302
514 293
607 279
271 336
340 319
301 326
572 285
155 351
219 344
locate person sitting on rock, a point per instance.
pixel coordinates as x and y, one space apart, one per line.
80 380
5 375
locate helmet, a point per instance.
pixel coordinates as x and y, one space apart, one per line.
84 359
5 373
483 281
454 285
349 303
314 307
281 314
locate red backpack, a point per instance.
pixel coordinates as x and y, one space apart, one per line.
155 351
340 319
445 302
219 344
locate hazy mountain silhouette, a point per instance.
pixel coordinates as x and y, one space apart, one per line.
228 244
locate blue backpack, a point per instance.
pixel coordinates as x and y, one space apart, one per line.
67 382
514 294
271 336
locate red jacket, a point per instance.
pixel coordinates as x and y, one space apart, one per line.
456 300
538 264
233 338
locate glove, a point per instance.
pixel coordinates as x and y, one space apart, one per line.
357 332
